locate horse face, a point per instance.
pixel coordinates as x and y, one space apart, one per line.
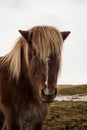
43 73
49 92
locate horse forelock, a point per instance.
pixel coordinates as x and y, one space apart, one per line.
46 40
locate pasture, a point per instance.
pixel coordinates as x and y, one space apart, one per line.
68 115
72 89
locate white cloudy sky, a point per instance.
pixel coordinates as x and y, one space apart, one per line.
64 14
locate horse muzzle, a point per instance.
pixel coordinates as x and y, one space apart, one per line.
48 97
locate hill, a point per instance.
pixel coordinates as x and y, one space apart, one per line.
72 89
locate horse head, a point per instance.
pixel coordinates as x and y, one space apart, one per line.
45 46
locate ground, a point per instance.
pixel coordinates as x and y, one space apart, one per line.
67 116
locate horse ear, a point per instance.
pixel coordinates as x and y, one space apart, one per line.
24 34
65 34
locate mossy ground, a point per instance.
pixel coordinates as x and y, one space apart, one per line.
72 89
67 116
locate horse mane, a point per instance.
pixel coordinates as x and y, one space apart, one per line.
12 60
45 40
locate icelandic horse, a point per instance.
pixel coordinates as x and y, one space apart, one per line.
28 76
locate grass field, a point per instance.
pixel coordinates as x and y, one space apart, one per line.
72 89
68 115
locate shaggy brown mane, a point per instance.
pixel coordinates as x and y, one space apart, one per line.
13 59
45 40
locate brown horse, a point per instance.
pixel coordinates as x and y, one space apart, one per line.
28 76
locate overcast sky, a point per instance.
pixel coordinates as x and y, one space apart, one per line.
65 15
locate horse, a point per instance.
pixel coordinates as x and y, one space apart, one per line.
28 76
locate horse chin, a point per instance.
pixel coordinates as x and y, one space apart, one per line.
47 101
48 98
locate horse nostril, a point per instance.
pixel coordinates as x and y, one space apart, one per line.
47 96
55 92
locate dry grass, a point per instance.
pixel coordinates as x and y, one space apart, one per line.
67 116
72 89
